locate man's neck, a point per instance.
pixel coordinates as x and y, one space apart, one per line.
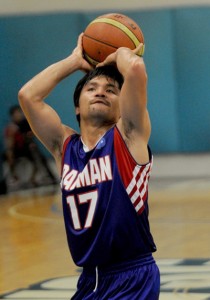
91 135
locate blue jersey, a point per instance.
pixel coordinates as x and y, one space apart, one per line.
105 201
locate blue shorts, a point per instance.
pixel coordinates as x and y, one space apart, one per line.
137 279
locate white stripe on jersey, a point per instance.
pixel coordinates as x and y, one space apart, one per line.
133 180
139 206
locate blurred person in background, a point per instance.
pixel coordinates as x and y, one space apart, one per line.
20 142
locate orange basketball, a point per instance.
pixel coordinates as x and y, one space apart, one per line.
107 33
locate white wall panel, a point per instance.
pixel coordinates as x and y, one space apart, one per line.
11 7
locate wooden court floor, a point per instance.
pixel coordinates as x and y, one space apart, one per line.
33 245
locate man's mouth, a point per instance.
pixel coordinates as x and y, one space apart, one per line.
100 101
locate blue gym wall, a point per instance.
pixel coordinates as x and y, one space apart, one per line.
178 64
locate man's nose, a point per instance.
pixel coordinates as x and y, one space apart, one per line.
100 92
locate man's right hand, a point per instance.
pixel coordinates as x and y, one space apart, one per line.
78 51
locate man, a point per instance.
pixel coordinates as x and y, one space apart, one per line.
105 171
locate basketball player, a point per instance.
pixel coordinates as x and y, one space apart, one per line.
104 171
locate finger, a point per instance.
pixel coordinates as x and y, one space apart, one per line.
79 42
100 65
110 59
139 50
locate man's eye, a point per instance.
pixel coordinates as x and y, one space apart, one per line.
110 91
91 89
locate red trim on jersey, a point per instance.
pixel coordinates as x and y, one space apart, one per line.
67 140
135 177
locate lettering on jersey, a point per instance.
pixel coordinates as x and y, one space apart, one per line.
96 171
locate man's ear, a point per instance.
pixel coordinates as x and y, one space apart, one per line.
77 110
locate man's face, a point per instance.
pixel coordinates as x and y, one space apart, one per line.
99 100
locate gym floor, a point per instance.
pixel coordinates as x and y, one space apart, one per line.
35 262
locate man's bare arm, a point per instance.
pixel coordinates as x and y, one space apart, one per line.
134 123
43 119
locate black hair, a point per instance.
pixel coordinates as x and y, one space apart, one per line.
107 71
13 109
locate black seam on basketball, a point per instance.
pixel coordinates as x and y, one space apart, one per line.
90 37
